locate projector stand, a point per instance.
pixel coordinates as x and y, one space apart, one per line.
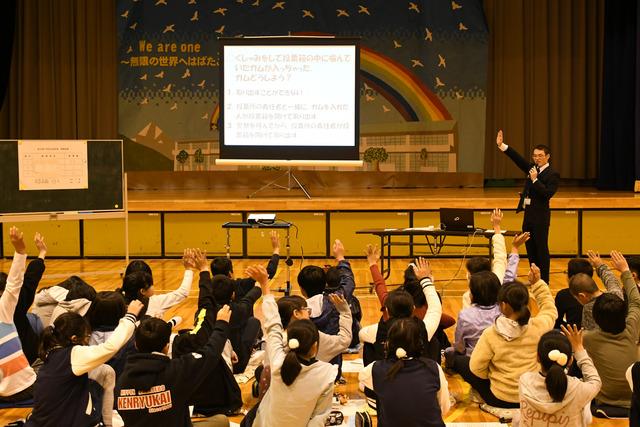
290 176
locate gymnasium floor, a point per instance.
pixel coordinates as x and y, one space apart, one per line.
104 275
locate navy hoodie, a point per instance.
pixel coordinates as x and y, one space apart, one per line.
154 390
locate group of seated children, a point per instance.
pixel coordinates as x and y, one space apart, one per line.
90 358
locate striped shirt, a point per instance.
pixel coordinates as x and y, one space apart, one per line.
15 372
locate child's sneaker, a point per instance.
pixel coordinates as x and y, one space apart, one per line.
503 414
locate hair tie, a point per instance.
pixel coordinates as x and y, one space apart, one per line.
294 343
401 353
558 357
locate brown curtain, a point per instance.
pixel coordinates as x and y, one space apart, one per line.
544 85
63 81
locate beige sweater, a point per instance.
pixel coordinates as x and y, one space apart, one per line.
502 361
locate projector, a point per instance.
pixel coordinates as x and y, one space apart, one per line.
265 218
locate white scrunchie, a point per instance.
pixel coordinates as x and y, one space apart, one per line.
294 343
558 357
401 353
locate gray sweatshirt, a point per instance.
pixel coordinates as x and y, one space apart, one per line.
306 402
537 409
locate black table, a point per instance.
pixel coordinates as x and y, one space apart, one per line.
279 225
435 240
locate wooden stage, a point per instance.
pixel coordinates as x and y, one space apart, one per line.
365 199
582 217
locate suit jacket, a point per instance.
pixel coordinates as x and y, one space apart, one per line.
540 192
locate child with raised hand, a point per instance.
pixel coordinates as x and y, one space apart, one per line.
498 265
613 344
104 316
218 393
63 392
155 390
294 307
399 304
473 320
159 303
507 349
16 375
312 281
244 328
411 390
301 387
550 394
223 265
29 325
411 285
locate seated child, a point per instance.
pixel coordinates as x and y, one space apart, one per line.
224 266
612 345
507 349
411 390
243 327
312 281
301 387
28 325
411 284
104 316
219 393
62 390
499 263
155 390
16 375
72 295
569 309
585 291
550 394
158 303
473 320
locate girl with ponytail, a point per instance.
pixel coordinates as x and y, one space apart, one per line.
507 349
550 396
63 393
411 389
301 387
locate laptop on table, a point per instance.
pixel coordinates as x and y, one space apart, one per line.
453 219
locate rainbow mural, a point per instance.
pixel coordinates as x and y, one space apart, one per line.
413 100
397 84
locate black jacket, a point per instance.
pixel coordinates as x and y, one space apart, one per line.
540 192
154 390
219 393
245 284
241 309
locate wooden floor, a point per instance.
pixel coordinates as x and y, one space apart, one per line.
450 279
335 199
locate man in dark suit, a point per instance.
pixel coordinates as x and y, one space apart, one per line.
541 184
